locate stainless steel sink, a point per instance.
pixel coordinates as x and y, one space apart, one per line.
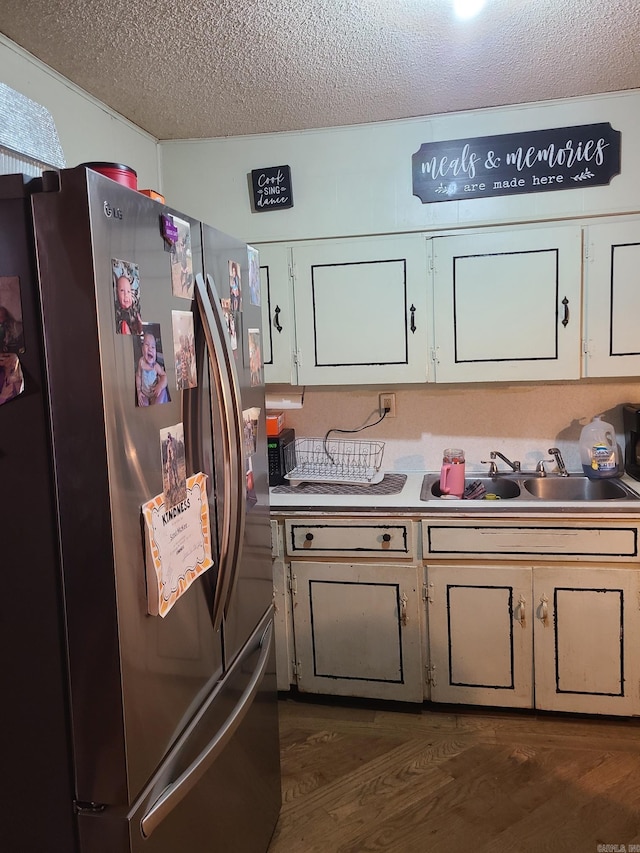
575 488
499 488
510 489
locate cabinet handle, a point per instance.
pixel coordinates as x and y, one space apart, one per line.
521 612
565 319
413 318
309 537
276 318
544 610
403 609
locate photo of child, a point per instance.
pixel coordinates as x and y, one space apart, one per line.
230 320
184 349
11 334
235 288
182 280
252 498
254 276
11 378
126 297
174 471
151 376
250 422
255 357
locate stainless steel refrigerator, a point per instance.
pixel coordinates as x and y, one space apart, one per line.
139 704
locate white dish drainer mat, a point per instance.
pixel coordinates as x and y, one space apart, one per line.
321 460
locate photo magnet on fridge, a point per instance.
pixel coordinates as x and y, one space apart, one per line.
150 375
182 280
174 469
11 332
184 349
126 297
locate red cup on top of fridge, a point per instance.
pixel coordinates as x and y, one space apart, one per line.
117 172
452 473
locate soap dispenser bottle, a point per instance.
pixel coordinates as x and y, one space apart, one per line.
599 450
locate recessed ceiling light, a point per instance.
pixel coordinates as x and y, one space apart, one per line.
465 9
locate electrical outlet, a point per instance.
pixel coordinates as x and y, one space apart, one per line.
388 403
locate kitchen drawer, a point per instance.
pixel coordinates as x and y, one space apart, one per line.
327 537
566 539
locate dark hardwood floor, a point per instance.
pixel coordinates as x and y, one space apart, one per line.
367 778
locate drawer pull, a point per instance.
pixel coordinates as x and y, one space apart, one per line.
403 611
544 610
386 537
309 537
521 612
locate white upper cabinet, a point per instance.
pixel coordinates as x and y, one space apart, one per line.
361 311
277 314
507 305
612 299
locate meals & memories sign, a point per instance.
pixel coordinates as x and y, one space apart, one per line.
561 158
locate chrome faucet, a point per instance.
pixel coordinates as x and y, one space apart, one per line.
515 465
562 468
541 471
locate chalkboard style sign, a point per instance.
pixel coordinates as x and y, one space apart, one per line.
272 188
563 158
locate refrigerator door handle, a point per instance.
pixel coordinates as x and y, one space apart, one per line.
229 412
177 790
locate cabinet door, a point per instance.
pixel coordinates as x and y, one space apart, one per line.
360 309
357 630
586 639
612 300
480 635
277 314
507 305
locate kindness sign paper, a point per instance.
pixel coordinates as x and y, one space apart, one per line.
179 545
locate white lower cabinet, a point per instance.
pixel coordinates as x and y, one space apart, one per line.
350 617
586 639
480 635
503 611
558 638
357 629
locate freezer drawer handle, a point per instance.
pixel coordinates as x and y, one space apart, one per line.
175 792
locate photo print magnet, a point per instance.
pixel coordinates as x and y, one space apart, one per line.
11 332
184 349
182 280
126 297
235 286
174 468
150 373
254 276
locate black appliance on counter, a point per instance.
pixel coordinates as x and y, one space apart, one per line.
275 454
631 414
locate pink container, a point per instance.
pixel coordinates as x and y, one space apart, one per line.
452 472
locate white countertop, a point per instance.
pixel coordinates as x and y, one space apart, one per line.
408 501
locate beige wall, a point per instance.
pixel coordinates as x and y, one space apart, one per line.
522 420
357 180
351 181
88 130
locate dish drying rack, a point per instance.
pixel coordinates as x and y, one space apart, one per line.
320 460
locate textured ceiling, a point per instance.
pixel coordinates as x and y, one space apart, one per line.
209 68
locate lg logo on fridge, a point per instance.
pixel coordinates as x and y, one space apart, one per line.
112 212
